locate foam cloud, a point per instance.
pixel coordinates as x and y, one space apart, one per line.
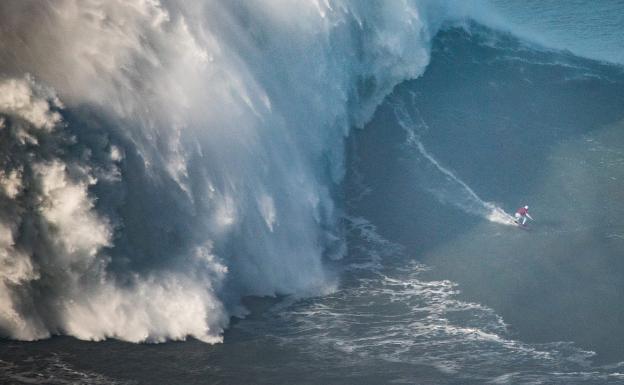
195 158
154 310
22 98
54 245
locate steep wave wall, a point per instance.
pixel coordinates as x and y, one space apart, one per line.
160 159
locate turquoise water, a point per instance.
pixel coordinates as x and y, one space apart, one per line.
593 29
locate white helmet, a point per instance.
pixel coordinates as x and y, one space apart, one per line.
526 207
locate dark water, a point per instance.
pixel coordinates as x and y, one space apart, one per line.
430 292
519 126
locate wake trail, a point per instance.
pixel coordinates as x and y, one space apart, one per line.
450 188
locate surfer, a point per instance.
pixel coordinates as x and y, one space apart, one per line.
521 215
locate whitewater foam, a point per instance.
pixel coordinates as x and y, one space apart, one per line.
395 315
150 130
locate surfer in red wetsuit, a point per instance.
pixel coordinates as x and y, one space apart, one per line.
522 214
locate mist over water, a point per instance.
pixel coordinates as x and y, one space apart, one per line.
169 158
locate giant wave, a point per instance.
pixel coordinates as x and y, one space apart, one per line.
161 159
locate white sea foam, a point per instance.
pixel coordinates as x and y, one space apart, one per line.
147 130
396 315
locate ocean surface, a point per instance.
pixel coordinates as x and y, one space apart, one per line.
311 192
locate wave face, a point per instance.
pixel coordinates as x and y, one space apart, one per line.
515 124
162 159
443 183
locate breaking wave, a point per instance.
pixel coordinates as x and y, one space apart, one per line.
162 159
